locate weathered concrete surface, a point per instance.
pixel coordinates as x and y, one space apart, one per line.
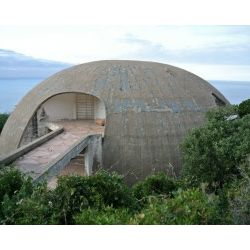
149 109
38 161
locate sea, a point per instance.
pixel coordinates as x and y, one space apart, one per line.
12 90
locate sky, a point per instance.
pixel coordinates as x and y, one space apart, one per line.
212 52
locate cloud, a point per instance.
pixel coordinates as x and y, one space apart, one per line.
214 53
198 46
142 49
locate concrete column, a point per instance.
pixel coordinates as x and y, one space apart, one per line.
93 155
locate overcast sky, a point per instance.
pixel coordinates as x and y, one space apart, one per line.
212 52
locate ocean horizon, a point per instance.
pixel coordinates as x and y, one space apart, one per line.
13 89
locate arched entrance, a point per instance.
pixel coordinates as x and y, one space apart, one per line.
73 106
64 109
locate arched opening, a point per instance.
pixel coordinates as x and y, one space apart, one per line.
73 106
80 115
72 110
218 101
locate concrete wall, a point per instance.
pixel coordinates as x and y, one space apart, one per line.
100 112
60 107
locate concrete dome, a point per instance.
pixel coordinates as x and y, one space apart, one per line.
149 109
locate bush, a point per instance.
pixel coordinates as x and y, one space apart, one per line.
212 154
244 108
71 195
220 114
3 119
21 203
104 216
239 197
187 207
14 187
74 194
105 199
157 184
34 209
12 181
112 188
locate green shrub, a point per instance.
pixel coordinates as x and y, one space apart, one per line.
220 114
34 209
112 188
212 154
244 108
239 197
14 187
30 212
3 119
12 181
239 200
157 184
71 195
74 194
187 207
105 199
104 216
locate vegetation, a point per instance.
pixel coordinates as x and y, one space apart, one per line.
213 188
190 206
157 185
105 216
244 108
213 153
3 119
239 198
75 194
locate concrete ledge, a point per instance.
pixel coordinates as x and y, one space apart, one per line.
59 163
26 148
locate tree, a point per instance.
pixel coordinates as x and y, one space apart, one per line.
244 108
213 153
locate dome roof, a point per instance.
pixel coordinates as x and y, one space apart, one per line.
149 109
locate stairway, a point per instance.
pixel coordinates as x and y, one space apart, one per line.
75 167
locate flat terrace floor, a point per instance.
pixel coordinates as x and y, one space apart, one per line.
35 162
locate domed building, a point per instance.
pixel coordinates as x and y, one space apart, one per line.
147 109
